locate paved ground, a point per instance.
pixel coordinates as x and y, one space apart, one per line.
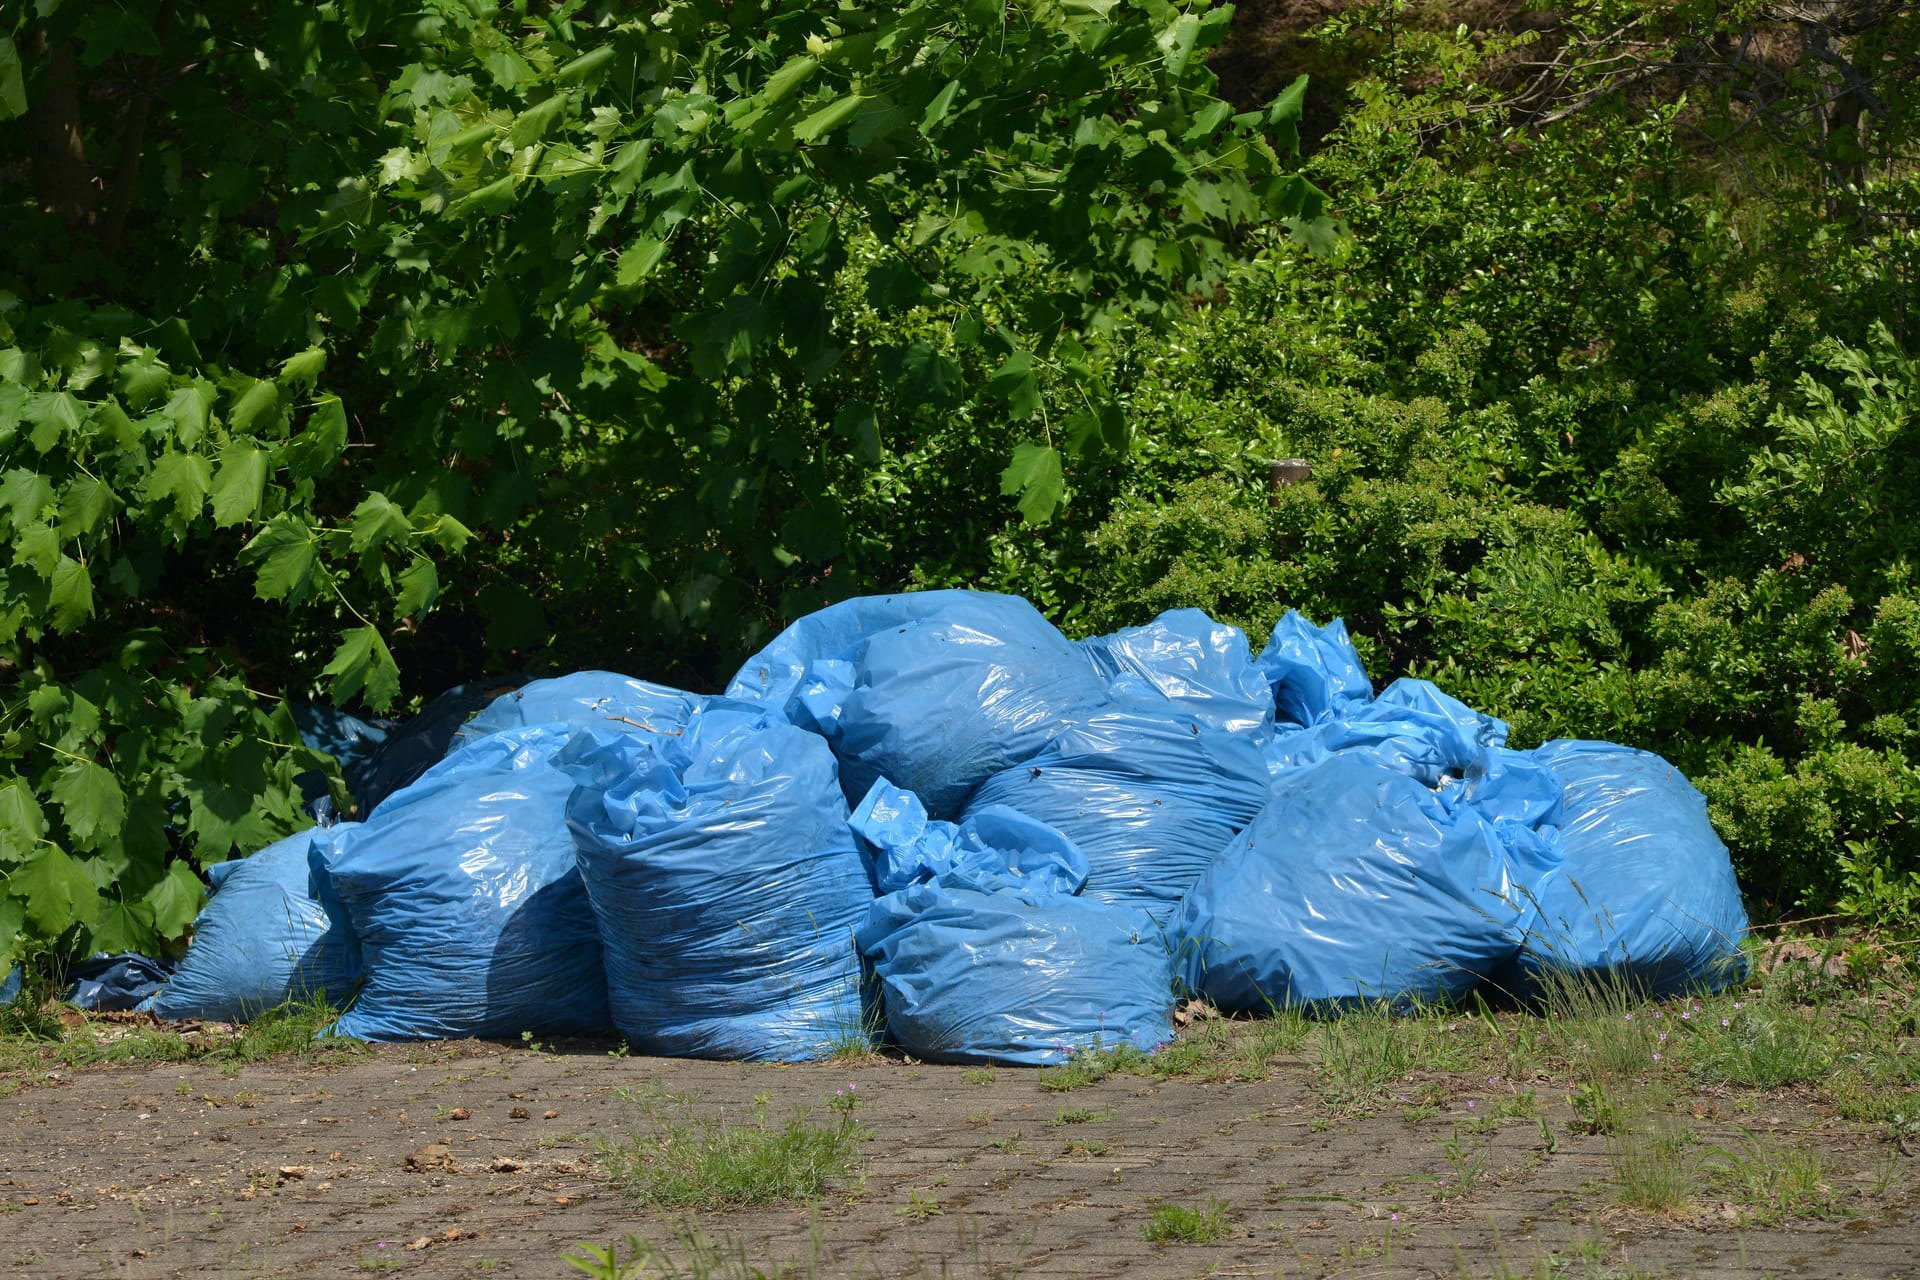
291 1169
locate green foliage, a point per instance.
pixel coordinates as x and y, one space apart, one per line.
341 340
695 1162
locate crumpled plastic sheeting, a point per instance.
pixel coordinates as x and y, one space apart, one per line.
1151 795
462 896
980 969
1644 890
1413 726
992 840
620 704
966 685
727 885
262 940
1315 672
1202 667
115 983
1355 883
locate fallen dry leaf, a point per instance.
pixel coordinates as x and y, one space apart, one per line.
459 1113
435 1155
518 1113
506 1164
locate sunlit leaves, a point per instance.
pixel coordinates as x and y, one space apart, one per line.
363 667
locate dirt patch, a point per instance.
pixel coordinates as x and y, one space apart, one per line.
464 1159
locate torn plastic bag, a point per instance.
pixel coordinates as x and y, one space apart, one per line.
977 968
1148 793
1413 726
1204 668
621 704
115 983
969 684
262 940
727 886
991 840
1315 673
1355 883
1644 890
463 899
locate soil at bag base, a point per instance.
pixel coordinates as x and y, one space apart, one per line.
288 1168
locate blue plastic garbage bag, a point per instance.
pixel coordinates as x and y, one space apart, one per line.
1355 883
1151 795
423 741
1644 890
1202 667
353 743
966 685
727 886
262 940
463 899
113 984
910 847
978 968
619 703
1315 673
1413 725
10 986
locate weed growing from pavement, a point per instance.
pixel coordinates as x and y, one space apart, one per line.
1173 1223
701 1163
1654 1166
1768 1182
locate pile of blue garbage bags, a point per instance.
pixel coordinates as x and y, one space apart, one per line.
930 820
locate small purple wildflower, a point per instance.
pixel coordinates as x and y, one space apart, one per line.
1725 1022
1629 1017
1736 1004
1656 1057
1396 1217
1685 1016
1663 1037
1471 1104
1658 1014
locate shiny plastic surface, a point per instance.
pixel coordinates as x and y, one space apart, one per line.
1355 883
261 940
1202 667
1150 794
620 704
1314 672
727 886
979 969
992 840
936 691
463 897
1644 889
1413 726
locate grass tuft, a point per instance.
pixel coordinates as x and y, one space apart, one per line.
1173 1223
701 1163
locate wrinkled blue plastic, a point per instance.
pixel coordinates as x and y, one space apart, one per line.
980 969
938 690
727 886
1202 667
992 840
462 896
422 742
620 704
1644 890
1355 883
1413 726
262 940
1151 796
1315 673
115 983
